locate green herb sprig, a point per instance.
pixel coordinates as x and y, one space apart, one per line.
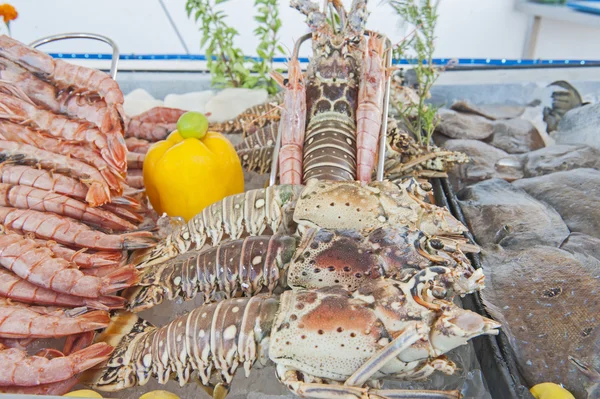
227 64
423 16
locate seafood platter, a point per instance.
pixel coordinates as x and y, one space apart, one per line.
351 273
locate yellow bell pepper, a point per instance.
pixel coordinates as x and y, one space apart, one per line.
548 390
184 175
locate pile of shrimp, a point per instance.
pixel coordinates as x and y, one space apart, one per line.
141 131
68 217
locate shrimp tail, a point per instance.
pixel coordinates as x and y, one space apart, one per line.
106 302
94 320
123 277
97 195
76 342
91 356
139 240
118 150
128 201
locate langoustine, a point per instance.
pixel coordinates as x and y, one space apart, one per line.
26 321
38 265
22 134
154 124
70 232
17 107
98 190
19 369
369 112
85 259
61 73
292 124
15 288
24 197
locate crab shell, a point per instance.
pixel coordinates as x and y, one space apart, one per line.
330 332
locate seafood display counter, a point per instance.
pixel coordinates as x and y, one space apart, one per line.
342 257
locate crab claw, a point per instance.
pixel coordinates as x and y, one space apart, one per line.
456 326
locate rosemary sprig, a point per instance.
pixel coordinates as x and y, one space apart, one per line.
423 15
227 64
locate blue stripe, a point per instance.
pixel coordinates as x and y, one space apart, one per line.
436 61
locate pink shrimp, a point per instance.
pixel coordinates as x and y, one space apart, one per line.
38 265
98 191
292 124
63 74
160 115
369 111
40 92
18 107
14 287
24 175
53 389
124 212
18 320
148 131
135 160
135 144
19 369
98 112
25 197
23 134
68 231
135 178
83 258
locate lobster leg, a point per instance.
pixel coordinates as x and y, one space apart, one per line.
292 124
387 353
289 377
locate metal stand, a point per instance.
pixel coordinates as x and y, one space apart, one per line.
93 36
385 109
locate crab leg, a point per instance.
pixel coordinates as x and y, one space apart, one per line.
292 124
369 111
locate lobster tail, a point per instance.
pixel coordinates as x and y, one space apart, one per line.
201 341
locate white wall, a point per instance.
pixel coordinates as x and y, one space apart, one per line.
466 28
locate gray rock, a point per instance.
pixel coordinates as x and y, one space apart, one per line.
463 126
487 162
560 157
516 136
547 302
500 214
490 111
574 194
580 126
583 244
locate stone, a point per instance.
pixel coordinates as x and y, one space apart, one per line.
582 245
229 103
516 136
490 111
463 126
580 126
487 162
498 213
575 195
547 302
194 101
138 101
560 157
